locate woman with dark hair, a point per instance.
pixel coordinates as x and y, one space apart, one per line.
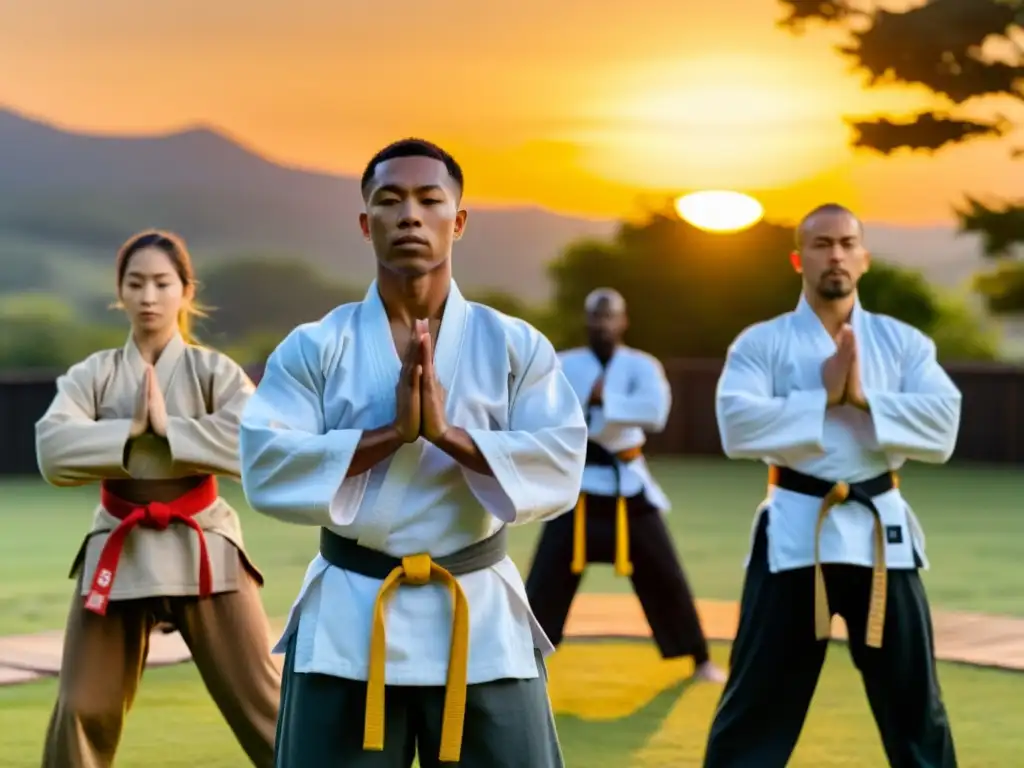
154 423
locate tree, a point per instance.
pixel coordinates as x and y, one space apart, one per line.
962 51
690 292
41 331
264 295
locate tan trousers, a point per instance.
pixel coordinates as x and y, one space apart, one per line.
104 657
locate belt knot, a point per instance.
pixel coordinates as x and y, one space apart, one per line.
157 515
417 569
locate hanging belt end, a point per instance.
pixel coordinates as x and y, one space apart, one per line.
822 612
579 536
373 729
97 603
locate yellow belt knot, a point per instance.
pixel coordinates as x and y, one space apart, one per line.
418 570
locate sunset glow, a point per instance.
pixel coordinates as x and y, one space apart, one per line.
720 122
585 114
719 210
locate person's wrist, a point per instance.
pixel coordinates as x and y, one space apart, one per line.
397 434
438 437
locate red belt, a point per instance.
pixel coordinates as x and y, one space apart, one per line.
156 515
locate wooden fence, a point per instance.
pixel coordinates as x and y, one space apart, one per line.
992 428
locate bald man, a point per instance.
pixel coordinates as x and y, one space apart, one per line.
618 518
834 399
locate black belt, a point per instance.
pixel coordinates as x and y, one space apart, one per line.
350 555
599 456
831 494
863 492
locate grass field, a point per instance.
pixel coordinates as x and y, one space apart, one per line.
618 704
972 518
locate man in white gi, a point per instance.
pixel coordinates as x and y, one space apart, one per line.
834 399
618 518
412 428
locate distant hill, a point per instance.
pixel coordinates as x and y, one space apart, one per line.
66 195
67 199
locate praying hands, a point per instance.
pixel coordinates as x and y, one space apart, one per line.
420 397
841 372
150 408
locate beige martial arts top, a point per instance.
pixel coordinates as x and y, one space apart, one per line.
83 438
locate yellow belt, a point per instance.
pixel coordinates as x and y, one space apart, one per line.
623 565
419 570
839 493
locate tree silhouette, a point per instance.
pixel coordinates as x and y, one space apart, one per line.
691 292
262 294
962 51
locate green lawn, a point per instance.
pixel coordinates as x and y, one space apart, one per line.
618 704
972 518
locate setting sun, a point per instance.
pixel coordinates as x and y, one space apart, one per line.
719 210
719 122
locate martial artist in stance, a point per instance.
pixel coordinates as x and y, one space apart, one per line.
834 399
154 423
412 428
618 516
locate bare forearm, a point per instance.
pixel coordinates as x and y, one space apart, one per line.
374 446
457 443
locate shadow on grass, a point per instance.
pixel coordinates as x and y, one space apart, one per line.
600 743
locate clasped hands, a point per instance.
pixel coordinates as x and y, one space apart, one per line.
150 407
840 374
420 398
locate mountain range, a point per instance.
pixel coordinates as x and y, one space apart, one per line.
67 199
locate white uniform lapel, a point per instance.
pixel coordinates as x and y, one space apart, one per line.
817 343
387 361
449 338
608 370
810 322
867 352
810 325
581 368
375 337
375 333
165 366
617 371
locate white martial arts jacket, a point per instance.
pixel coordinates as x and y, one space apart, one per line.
771 406
330 380
637 400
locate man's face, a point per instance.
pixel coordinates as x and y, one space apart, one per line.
412 214
606 324
832 255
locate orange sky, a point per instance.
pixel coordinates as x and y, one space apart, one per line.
579 106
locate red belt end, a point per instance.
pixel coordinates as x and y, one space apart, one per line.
97 603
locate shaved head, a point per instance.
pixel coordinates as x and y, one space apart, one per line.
827 209
606 320
604 298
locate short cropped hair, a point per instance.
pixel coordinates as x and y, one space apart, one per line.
412 147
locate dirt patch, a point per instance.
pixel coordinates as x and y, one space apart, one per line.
990 641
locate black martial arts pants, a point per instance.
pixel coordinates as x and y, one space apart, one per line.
658 578
776 661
